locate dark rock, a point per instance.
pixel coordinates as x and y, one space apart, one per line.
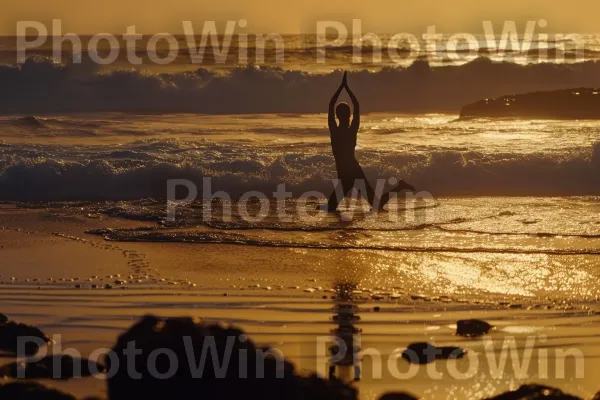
419 353
31 391
450 353
186 338
533 392
425 353
12 331
472 327
3 318
52 367
582 103
398 396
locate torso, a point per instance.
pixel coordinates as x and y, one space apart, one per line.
343 143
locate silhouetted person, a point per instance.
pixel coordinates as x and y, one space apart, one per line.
343 143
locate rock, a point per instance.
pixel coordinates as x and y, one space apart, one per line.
3 319
397 396
581 103
31 391
67 368
152 333
419 353
10 333
534 392
472 327
425 353
450 353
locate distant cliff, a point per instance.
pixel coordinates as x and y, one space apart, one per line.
582 103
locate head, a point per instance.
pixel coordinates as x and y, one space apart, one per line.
342 111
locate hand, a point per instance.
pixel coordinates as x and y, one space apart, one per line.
345 79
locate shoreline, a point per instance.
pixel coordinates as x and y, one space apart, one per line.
274 306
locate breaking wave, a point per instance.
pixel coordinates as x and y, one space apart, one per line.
141 169
41 86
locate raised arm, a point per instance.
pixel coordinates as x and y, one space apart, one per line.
334 99
356 109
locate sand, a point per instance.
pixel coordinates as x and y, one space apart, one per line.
265 291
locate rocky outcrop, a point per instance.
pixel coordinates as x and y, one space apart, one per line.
10 332
533 392
31 391
60 366
472 327
425 353
582 103
265 377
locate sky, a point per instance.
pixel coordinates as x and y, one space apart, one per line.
301 16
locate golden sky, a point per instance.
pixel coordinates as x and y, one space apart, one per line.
285 16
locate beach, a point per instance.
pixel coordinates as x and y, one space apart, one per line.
283 297
391 200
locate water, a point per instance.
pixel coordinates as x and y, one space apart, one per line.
128 156
297 83
498 195
301 52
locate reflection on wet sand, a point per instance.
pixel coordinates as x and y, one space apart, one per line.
345 353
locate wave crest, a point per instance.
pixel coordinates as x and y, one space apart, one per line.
142 169
41 86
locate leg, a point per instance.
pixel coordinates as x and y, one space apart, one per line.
361 182
342 187
396 189
333 201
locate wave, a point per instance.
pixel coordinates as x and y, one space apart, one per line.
445 226
157 235
534 234
39 86
142 169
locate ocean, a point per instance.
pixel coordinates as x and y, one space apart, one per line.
493 194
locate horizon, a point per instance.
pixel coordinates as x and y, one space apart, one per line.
299 18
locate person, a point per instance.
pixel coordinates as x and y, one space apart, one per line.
343 143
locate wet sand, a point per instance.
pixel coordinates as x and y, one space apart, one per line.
281 297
